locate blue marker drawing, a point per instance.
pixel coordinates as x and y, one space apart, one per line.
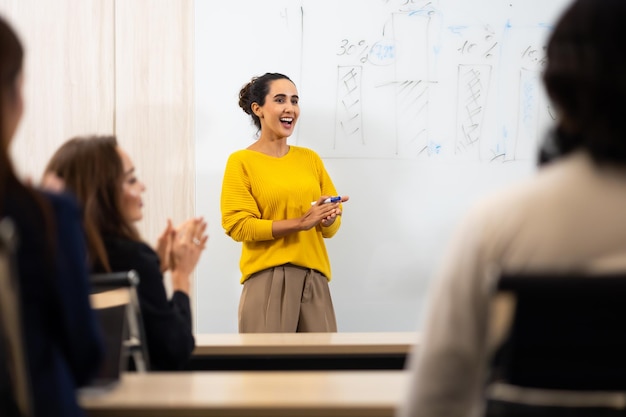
329 200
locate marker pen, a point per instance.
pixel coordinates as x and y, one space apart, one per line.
329 200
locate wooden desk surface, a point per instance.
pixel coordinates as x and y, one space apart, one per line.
304 343
258 394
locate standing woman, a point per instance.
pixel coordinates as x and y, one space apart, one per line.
63 343
103 178
266 203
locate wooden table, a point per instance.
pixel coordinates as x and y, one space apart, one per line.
302 351
258 394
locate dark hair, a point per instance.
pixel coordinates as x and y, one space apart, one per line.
92 169
586 80
256 91
11 58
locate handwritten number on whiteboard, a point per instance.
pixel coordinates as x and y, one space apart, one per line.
351 48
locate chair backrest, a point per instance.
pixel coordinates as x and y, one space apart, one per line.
135 340
111 308
566 332
15 393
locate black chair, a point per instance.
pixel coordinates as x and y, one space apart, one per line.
562 332
566 332
134 340
111 307
15 392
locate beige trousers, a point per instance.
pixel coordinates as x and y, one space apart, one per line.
288 299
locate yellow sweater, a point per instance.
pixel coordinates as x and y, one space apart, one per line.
258 189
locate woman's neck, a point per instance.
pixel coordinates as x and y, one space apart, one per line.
272 147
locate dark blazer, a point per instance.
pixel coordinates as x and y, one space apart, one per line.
63 340
167 323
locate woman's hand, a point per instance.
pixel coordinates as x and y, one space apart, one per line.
330 218
164 245
187 246
319 213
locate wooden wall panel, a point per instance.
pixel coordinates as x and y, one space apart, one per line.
106 66
69 74
154 104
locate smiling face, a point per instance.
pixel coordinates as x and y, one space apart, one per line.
281 110
132 205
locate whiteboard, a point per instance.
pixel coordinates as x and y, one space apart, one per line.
417 108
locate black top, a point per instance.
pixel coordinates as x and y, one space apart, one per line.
63 341
167 323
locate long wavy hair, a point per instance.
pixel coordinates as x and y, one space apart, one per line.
91 169
11 58
11 61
